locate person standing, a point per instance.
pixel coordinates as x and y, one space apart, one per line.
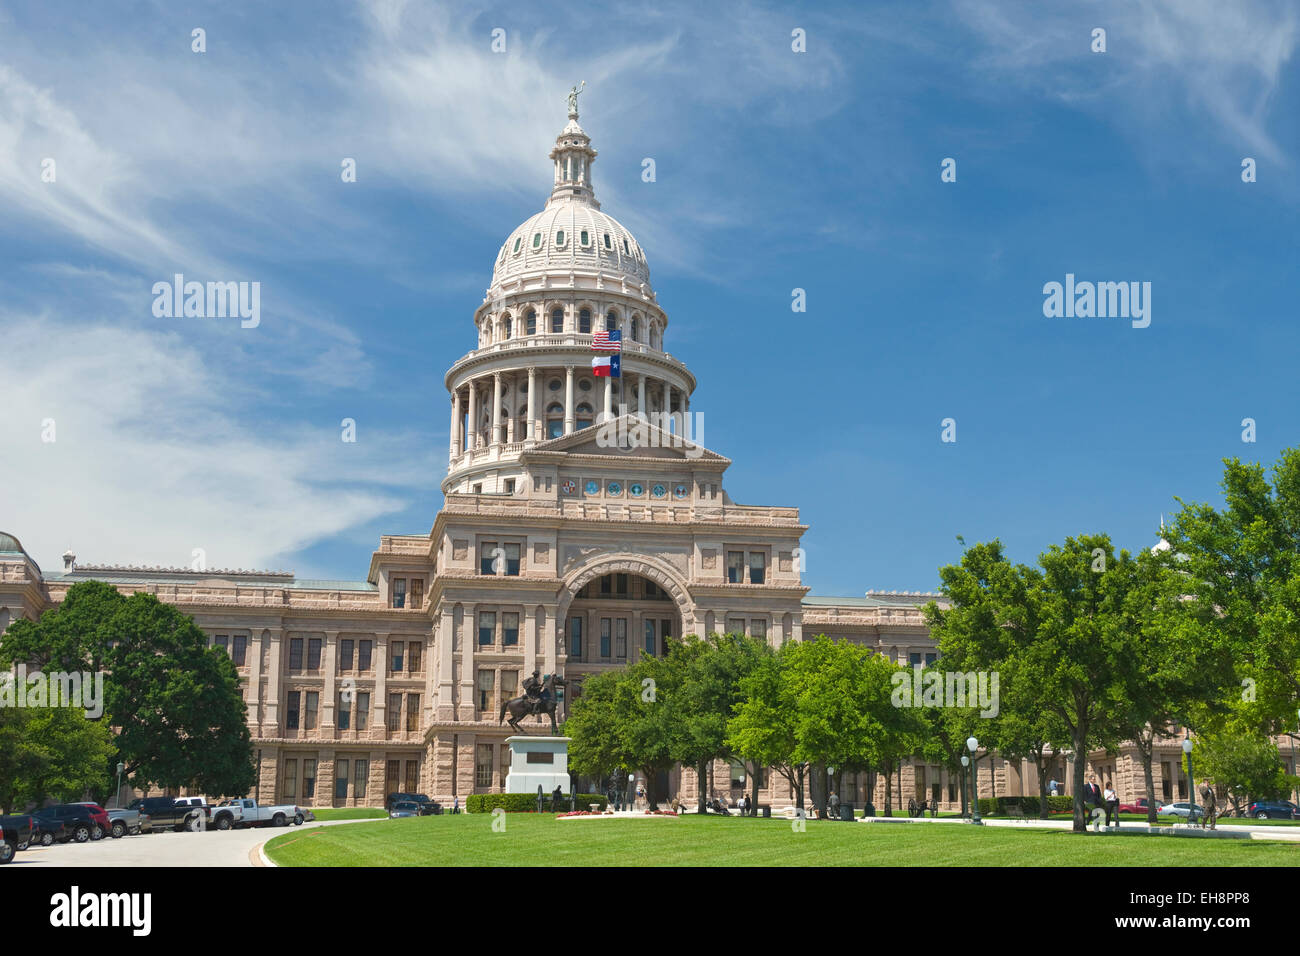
1211 806
1092 795
1112 803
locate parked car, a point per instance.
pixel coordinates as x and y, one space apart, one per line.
1186 810
247 813
1273 810
404 808
128 821
15 832
83 823
427 806
1139 805
170 813
48 831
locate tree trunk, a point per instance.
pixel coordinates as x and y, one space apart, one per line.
889 792
753 791
702 771
1080 758
1146 745
1040 764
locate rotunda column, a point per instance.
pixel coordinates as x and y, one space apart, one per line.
668 408
534 429
609 398
496 408
568 400
511 436
640 397
473 416
455 423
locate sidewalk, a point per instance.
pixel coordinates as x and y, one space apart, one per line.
1232 832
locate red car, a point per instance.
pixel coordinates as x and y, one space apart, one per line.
1139 805
100 816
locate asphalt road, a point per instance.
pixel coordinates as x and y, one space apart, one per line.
213 848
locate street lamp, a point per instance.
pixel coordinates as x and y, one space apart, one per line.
965 788
830 786
1191 781
973 745
120 767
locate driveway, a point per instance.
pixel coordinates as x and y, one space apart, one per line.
213 848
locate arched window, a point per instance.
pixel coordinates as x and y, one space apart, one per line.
559 238
611 321
557 320
635 329
584 416
626 250
608 244
585 237
509 327
532 322
554 420
584 321
518 241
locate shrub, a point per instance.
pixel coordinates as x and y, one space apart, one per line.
525 802
990 807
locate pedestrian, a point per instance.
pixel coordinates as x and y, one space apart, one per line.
1211 806
1092 795
1112 803
833 805
1051 787
455 805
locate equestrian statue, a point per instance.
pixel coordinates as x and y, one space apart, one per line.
538 699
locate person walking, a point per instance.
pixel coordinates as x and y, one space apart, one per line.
1112 803
1211 816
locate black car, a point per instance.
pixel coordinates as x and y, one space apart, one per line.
427 807
15 832
79 820
168 813
1273 810
46 831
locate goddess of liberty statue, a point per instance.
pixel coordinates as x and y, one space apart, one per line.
573 98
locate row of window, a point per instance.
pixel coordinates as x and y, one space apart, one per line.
351 707
404 656
556 326
613 637
736 565
298 777
399 593
608 243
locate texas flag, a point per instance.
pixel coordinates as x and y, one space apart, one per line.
606 365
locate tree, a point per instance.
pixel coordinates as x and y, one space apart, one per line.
1244 762
764 729
176 702
51 752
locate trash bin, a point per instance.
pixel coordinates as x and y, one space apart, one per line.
765 811
846 812
870 810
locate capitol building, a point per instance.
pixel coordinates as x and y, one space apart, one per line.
583 526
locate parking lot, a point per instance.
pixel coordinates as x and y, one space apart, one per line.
213 848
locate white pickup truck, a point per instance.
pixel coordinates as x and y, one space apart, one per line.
246 813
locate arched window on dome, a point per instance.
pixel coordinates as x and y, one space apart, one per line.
531 326
518 242
508 327
557 320
626 250
559 238
585 414
611 321
585 238
608 244
656 337
554 420
635 329
584 321
537 241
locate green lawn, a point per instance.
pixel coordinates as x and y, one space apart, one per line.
529 839
352 813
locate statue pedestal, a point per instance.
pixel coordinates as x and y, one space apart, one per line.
538 761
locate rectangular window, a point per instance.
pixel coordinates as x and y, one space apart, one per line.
360 775
412 776
735 625
757 567
735 567
290 779
221 641
512 560
575 637
621 583
397 650
345 654
914 660
399 592
295 653
313 699
665 631
240 650
487 557
363 655
606 584
486 682
394 712
483 766
758 629
930 659
363 710
313 654
291 711
557 321
413 653
650 643
393 776
620 638
308 779
605 630
509 684
487 628
344 711
341 769
412 712
509 628
417 593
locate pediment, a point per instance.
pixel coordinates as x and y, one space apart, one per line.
629 437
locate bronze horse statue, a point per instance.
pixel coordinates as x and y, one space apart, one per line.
525 706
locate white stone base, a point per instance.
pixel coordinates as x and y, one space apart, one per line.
548 770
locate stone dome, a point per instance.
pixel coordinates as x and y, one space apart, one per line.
9 543
571 232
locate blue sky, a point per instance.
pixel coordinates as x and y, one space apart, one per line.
775 170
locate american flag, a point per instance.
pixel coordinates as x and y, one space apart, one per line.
607 342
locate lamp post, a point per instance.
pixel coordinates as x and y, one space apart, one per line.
973 745
965 789
120 767
1191 781
830 786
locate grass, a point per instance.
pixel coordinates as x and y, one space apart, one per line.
352 813
542 840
